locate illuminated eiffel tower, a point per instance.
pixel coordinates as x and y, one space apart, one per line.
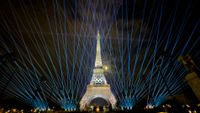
98 87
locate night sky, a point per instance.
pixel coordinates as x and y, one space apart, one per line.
17 19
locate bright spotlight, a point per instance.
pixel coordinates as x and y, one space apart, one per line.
105 68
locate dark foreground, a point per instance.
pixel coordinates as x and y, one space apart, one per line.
125 111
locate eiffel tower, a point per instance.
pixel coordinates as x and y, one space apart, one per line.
98 87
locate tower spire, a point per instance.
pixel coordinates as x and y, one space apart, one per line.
98 77
98 61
